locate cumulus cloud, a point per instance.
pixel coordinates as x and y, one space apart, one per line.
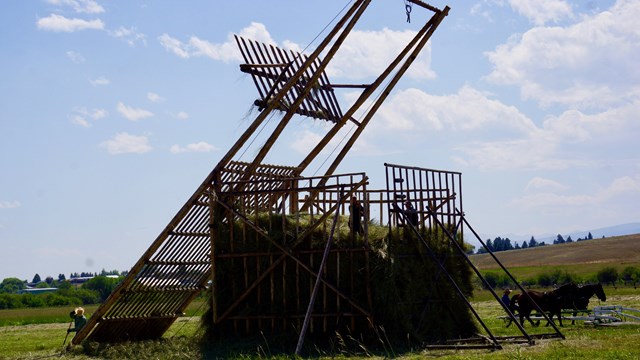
305 141
59 23
75 57
625 186
80 6
80 121
195 147
182 115
81 116
590 64
99 81
571 139
540 12
484 133
467 110
129 35
9 204
538 184
365 54
226 51
124 143
133 114
153 97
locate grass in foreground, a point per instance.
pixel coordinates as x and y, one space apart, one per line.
582 341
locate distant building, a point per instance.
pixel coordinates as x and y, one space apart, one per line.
80 280
37 290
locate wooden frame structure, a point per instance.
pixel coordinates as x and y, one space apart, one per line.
218 241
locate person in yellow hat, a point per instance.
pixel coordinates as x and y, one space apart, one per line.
79 320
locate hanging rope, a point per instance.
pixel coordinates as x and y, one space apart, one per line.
407 8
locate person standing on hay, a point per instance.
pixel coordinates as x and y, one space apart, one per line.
356 212
79 320
411 213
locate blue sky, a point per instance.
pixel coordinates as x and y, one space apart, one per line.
112 113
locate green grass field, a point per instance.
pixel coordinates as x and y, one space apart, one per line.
582 341
40 333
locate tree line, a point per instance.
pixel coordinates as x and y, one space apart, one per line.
94 291
51 282
630 276
500 244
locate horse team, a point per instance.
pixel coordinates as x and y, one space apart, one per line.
565 297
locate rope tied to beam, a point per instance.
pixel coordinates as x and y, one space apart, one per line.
407 8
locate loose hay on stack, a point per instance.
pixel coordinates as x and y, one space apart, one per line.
393 278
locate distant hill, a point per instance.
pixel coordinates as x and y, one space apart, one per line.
611 250
609 231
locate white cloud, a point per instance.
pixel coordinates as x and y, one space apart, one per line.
174 45
59 23
182 115
79 120
124 143
625 186
81 116
226 51
305 141
196 147
131 36
153 97
538 184
477 10
467 110
133 114
9 204
98 114
80 6
100 81
365 54
484 133
75 57
590 64
540 12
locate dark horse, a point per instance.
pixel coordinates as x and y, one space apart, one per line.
581 299
548 301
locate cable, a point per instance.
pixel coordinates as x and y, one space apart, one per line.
255 137
326 26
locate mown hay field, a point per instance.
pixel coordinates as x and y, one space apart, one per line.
582 341
583 258
30 337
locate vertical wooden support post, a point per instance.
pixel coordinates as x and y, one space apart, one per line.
314 293
213 230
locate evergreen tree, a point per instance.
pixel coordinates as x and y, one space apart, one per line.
589 237
61 277
49 280
559 240
524 245
497 244
490 245
36 279
533 242
569 239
